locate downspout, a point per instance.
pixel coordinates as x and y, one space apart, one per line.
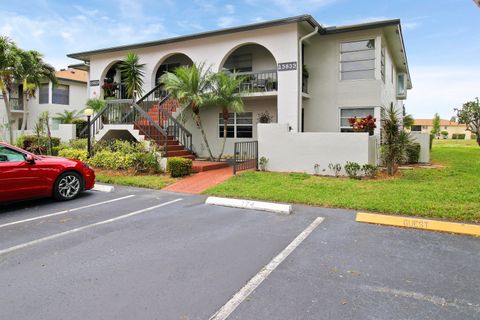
300 75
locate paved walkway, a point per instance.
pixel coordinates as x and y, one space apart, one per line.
201 181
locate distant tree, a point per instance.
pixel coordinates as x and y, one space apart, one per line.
408 121
469 114
436 125
8 59
453 119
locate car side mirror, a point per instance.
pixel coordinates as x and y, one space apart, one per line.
29 159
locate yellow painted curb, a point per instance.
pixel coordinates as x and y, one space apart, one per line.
423 224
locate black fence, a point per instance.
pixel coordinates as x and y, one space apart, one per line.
245 156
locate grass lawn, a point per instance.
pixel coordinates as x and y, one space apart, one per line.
157 181
452 193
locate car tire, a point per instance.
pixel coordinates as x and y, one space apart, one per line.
68 186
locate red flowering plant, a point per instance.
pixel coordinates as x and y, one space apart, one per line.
109 89
366 124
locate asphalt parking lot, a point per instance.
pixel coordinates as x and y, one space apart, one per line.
146 254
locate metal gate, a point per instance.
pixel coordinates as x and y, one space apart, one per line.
245 156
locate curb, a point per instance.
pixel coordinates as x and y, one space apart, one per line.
248 204
103 188
422 224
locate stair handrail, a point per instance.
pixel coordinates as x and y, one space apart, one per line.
188 134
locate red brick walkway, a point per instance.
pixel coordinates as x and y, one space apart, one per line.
198 182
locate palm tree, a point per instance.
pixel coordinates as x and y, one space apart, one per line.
190 85
408 121
7 61
31 71
96 104
67 117
394 140
132 74
226 88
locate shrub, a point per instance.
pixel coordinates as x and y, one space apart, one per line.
444 134
474 136
35 144
179 167
352 169
80 124
263 163
146 162
76 154
112 160
370 170
413 152
458 136
335 168
78 144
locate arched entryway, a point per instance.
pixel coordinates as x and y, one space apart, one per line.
112 85
169 64
256 64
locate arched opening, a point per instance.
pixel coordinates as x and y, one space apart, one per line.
256 64
113 87
170 64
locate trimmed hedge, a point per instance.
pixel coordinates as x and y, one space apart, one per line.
413 152
179 167
458 136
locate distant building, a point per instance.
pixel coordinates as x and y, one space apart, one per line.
426 125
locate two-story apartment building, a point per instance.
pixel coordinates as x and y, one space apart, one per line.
69 94
309 78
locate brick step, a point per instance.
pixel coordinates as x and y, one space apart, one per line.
201 166
176 147
177 153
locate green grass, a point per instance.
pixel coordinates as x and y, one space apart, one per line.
452 193
145 181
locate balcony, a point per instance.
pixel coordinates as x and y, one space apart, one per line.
258 83
16 105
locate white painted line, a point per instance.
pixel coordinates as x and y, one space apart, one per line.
251 285
249 204
103 188
64 211
61 234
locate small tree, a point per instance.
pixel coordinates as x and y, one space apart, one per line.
67 117
96 104
408 121
132 75
436 125
469 114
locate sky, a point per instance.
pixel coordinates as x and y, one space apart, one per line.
442 37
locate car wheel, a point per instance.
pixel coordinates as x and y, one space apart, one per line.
68 186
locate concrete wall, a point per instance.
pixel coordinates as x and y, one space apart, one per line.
424 140
65 132
300 152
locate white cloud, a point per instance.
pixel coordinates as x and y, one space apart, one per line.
410 25
440 88
258 19
230 8
225 21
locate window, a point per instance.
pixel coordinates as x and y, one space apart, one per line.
382 63
60 94
43 94
346 113
19 123
401 85
357 60
10 155
239 63
416 128
240 125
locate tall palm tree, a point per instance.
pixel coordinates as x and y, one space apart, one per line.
225 93
7 61
31 71
132 75
67 117
191 85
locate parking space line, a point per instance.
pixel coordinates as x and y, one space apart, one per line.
251 285
64 211
58 235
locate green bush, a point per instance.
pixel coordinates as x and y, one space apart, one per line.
80 125
474 136
179 167
459 136
352 169
413 152
370 170
112 160
78 144
444 134
76 154
146 162
35 144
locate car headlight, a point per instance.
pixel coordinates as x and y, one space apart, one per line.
87 166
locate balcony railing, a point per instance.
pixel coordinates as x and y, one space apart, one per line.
16 104
260 81
115 90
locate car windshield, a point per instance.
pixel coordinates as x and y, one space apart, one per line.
10 155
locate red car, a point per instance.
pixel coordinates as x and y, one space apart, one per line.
24 175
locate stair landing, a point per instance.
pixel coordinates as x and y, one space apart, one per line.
201 166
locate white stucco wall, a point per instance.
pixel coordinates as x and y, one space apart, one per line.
424 140
299 152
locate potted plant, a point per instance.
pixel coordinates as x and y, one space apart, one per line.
264 117
367 124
